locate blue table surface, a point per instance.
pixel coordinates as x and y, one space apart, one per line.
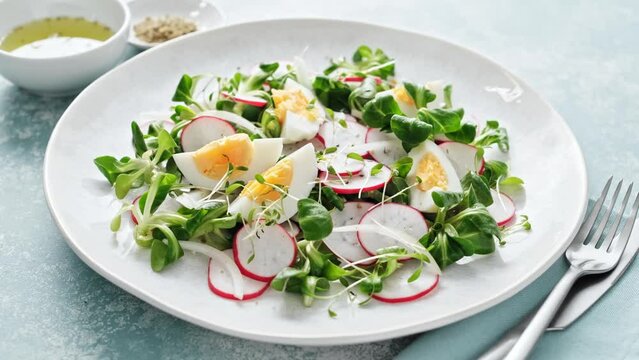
582 55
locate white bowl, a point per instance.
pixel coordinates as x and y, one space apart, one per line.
202 12
63 75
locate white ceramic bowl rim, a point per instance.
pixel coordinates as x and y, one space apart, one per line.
123 28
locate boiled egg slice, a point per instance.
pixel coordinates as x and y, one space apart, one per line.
298 111
208 165
436 172
403 99
295 175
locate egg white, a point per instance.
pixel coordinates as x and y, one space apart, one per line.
423 200
408 109
304 167
265 154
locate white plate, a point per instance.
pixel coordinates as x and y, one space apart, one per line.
544 153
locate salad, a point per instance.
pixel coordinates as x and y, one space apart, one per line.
348 183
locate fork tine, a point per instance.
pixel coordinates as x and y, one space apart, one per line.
594 239
618 246
615 226
586 226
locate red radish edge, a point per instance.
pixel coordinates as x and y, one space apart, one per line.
512 215
324 169
239 98
407 298
483 161
360 79
229 296
342 191
135 203
251 275
374 207
203 117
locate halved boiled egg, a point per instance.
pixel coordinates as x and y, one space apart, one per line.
298 111
206 166
436 172
403 99
293 175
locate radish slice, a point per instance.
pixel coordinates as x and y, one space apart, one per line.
262 252
345 244
317 142
391 148
343 138
359 183
402 226
221 282
202 130
220 258
502 209
233 119
463 157
359 79
397 289
246 99
292 228
341 164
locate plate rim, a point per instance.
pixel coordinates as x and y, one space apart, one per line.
388 332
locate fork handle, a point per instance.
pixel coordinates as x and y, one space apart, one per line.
544 316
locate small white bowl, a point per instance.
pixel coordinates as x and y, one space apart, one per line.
202 12
63 75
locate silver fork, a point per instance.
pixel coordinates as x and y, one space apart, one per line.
587 255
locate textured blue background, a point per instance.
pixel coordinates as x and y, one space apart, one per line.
582 55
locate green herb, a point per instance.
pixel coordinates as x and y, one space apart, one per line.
491 134
448 94
402 167
270 124
466 134
379 111
355 156
314 220
420 94
181 113
444 121
138 139
476 190
362 94
410 131
365 59
332 93
330 199
184 91
377 169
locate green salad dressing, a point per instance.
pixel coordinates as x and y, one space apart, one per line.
63 26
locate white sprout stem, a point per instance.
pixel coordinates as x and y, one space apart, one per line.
361 189
381 66
255 229
343 291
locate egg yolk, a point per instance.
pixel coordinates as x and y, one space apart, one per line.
402 95
213 159
280 174
294 101
430 170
